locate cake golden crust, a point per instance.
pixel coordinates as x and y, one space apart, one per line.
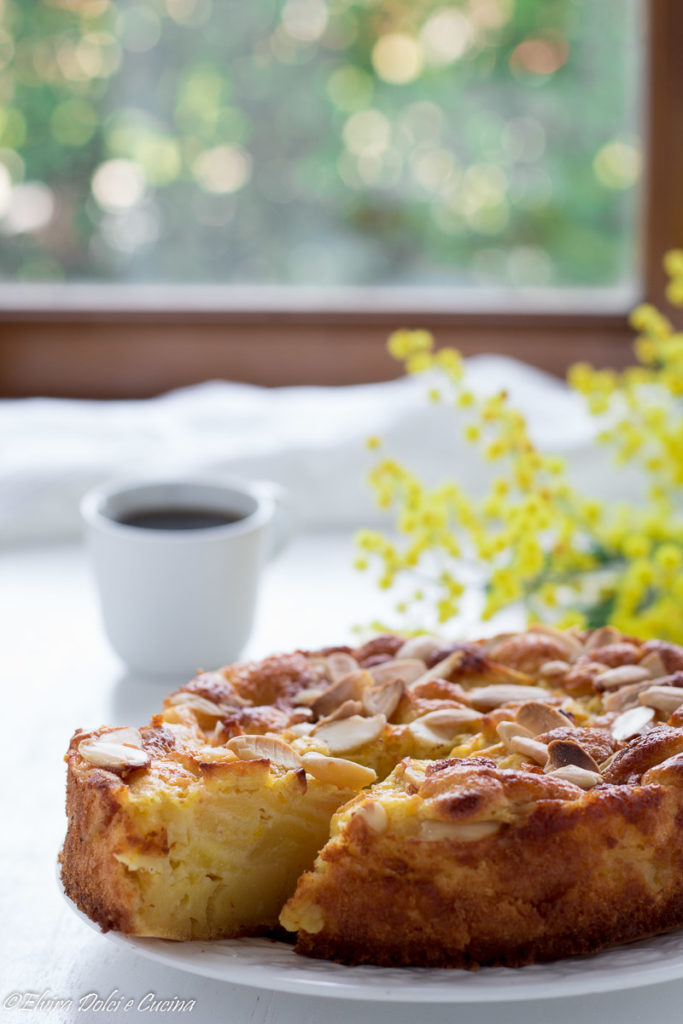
530 793
86 870
570 877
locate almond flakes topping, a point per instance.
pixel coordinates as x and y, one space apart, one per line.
538 718
567 752
625 697
339 664
623 675
374 816
270 748
632 722
407 669
195 702
348 687
305 698
654 664
345 710
349 733
508 730
117 750
579 776
571 643
422 647
532 749
551 669
488 697
664 698
337 771
443 725
467 832
413 774
441 670
602 637
384 699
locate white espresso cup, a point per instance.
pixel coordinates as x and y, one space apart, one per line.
178 593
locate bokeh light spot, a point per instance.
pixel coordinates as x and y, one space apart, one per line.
222 169
421 121
350 88
617 164
5 188
118 184
433 168
31 207
491 13
73 122
97 55
540 56
367 132
446 36
160 159
304 20
397 58
202 94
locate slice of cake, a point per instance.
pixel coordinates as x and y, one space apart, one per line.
464 863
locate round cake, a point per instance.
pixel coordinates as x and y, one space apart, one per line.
409 801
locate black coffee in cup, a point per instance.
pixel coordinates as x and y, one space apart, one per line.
175 518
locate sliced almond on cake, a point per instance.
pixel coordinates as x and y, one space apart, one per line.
349 687
407 669
384 699
565 752
423 647
467 832
350 733
195 702
485 698
337 771
339 664
270 748
441 726
538 718
579 776
622 675
116 750
632 722
374 816
664 698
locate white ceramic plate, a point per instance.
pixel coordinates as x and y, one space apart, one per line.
264 963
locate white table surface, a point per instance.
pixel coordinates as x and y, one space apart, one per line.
57 674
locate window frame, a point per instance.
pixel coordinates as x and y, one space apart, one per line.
73 341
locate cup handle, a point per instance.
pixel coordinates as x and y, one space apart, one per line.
284 519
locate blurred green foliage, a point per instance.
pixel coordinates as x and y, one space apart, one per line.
403 142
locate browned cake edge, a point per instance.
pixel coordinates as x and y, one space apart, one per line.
93 811
573 878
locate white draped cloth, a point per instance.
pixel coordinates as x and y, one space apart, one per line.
308 439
